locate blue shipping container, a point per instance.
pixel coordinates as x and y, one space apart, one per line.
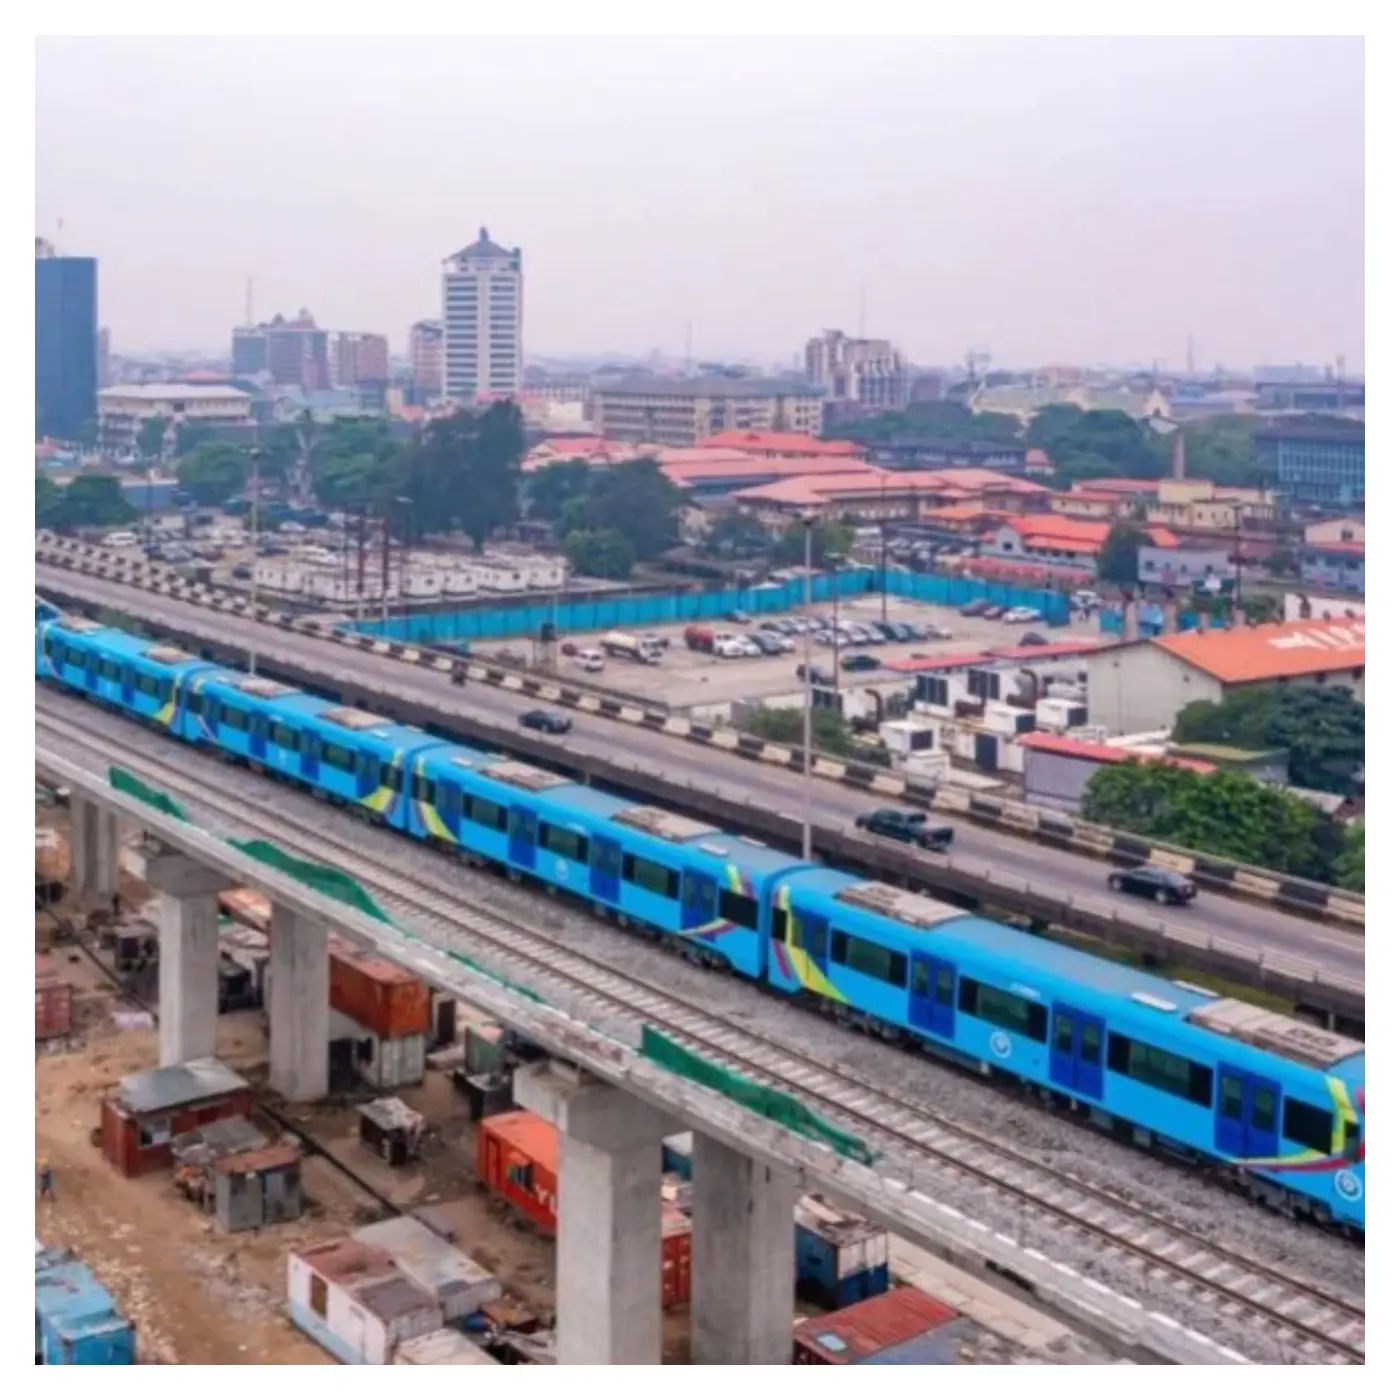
75 1321
841 1258
675 1154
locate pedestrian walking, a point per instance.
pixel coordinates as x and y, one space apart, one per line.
45 1182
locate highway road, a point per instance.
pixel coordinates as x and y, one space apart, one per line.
1268 931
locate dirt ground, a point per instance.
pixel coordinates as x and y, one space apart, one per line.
148 1245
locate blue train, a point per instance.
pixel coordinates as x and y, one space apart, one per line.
1276 1104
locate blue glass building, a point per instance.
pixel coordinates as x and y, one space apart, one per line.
1316 464
65 344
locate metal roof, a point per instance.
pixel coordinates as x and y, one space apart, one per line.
174 1085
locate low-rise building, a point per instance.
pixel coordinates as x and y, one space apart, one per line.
1184 568
681 412
1142 685
123 409
1340 567
1058 539
792 445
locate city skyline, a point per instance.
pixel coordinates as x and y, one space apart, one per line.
1081 201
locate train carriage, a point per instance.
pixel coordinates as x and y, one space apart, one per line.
1277 1102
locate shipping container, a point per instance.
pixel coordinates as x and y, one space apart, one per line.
841 1258
351 1299
953 1344
392 1130
53 1001
380 1063
862 1332
456 1282
484 1049
371 990
446 1347
676 1152
75 1321
517 1158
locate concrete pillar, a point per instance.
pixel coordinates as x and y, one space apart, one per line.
608 1277
743 1259
299 1008
94 845
189 956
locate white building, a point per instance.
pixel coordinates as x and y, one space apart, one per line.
482 308
123 409
872 373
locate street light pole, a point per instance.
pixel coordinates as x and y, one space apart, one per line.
807 690
256 455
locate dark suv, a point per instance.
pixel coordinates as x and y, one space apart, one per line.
910 827
546 721
1153 882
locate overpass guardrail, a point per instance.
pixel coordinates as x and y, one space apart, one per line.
1271 888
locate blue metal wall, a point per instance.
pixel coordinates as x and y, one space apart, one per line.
596 615
1152 620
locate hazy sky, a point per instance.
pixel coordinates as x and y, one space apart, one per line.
1066 200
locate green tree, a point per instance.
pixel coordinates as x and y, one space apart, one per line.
48 502
600 553
281 450
93 501
552 488
783 725
1100 442
1118 559
213 472
1222 450
1224 813
637 500
188 436
150 437
831 541
1351 864
737 536
942 420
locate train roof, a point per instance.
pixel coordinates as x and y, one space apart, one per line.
115 643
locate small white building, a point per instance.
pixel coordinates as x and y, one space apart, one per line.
456 1282
122 409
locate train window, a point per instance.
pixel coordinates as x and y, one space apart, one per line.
780 924
524 825
52 646
695 894
194 702
166 692
284 736
918 984
76 657
1064 1034
1351 1145
1004 1009
234 718
813 933
1231 1098
1307 1125
488 814
146 685
1265 1109
391 777
1089 1044
649 875
943 987
337 756
110 671
1172 1074
870 959
607 858
424 790
562 842
739 909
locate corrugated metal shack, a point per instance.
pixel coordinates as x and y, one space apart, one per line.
456 1282
53 1001
258 1188
352 1299
75 1321
391 1130
894 1329
149 1110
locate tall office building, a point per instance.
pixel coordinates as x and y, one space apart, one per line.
360 358
65 344
295 351
482 303
425 358
870 373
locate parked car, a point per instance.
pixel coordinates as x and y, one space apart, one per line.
1020 615
975 609
993 611
766 643
860 661
934 633
242 572
1153 882
655 641
771 624
909 827
546 721
589 659
1085 599
1034 639
820 676
736 615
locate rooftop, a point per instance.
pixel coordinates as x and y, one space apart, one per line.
483 248
795 444
1066 532
710 386
156 1089
1275 651
164 393
1104 753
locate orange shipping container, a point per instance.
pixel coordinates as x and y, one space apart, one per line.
517 1157
386 999
53 1001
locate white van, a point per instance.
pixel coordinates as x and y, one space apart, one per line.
119 539
730 647
589 660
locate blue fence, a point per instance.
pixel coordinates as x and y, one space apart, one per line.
1152 621
602 614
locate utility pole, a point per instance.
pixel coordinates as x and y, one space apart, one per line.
807 522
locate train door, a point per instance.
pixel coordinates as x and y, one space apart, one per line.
1076 1052
931 995
309 754
699 893
88 658
449 806
524 836
811 933
605 870
1246 1114
127 677
257 736
366 773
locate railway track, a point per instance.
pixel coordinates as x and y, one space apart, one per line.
1287 1317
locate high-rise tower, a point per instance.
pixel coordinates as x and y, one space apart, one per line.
482 303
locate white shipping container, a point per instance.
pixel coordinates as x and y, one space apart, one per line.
382 1064
446 1347
456 1282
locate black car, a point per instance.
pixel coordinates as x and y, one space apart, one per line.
860 661
911 827
819 676
975 609
546 721
1153 882
765 644
1034 639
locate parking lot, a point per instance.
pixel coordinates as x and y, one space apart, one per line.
686 678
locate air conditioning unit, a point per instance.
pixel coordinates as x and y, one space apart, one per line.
1006 721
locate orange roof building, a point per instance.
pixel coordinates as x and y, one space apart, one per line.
1062 536
767 444
1140 686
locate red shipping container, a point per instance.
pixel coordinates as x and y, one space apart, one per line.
53 1001
868 1328
517 1157
385 999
